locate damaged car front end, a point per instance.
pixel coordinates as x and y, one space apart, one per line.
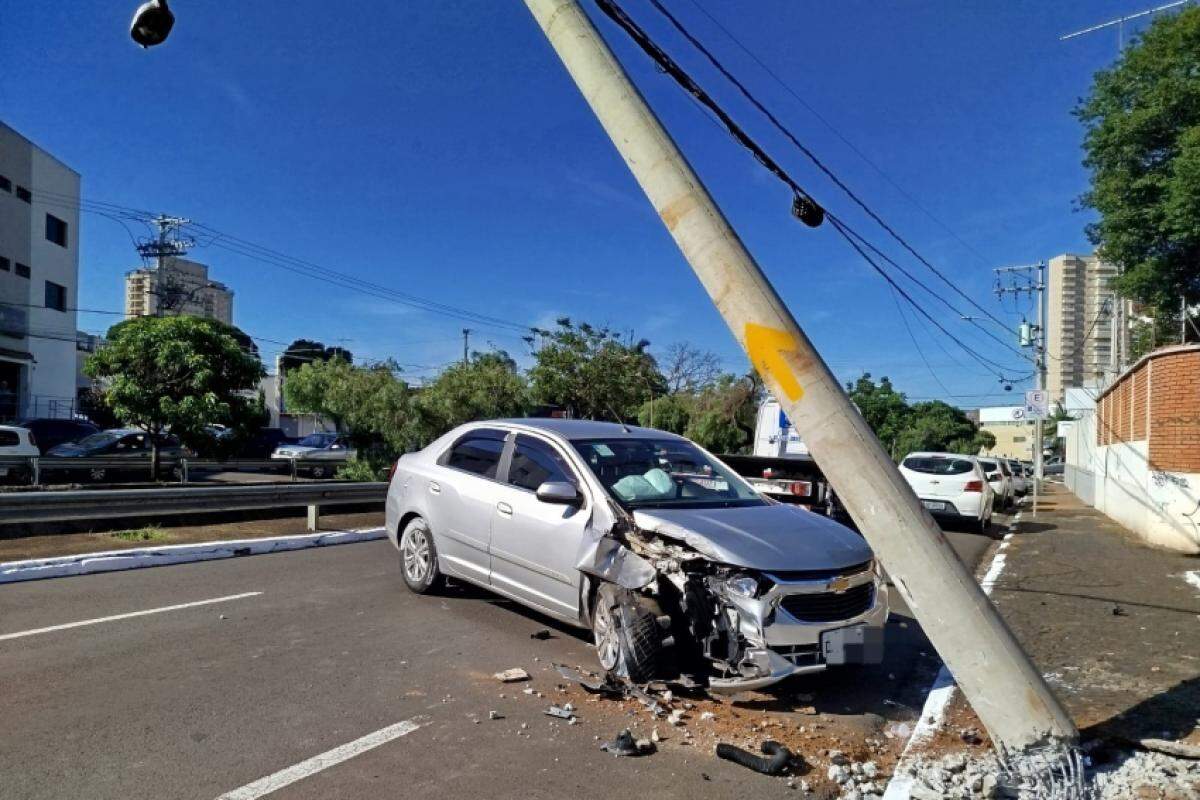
741 592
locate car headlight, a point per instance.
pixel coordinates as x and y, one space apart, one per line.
743 585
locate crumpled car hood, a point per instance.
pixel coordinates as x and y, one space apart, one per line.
767 537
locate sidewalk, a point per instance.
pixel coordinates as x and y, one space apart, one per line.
1113 625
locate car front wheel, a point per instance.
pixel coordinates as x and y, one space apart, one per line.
418 558
629 639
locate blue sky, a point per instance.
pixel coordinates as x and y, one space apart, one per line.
440 149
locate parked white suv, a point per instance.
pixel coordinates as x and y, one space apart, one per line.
950 486
17 445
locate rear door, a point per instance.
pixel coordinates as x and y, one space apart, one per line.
461 498
534 544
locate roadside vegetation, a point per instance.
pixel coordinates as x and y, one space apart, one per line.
150 533
1142 146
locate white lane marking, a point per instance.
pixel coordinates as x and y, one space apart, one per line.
129 615
940 693
330 758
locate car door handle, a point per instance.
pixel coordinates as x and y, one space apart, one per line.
434 488
504 508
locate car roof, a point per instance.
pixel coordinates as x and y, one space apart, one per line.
12 428
940 455
572 429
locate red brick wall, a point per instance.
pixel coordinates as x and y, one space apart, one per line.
1158 399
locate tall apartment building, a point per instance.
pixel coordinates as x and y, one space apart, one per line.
177 287
1080 312
39 278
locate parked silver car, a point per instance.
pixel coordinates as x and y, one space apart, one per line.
663 551
333 449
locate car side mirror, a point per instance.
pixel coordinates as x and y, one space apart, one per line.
559 492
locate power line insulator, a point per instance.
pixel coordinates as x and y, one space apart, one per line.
807 211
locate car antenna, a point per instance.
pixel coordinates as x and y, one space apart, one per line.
617 417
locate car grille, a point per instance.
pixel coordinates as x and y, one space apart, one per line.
801 655
830 606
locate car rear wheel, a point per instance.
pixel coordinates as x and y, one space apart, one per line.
418 558
629 639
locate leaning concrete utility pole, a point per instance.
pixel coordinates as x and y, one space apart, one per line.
997 677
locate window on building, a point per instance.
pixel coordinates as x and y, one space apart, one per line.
5 184
5 264
56 296
22 270
56 230
23 194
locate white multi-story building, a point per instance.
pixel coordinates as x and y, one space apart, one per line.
1082 314
39 279
185 290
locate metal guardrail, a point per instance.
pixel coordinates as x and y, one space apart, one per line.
35 468
26 507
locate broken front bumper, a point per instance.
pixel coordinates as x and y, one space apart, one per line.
806 625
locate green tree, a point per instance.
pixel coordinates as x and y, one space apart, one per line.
670 413
369 403
304 351
1142 145
487 387
176 373
939 427
723 416
884 409
592 374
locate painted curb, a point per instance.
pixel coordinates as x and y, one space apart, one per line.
941 691
138 558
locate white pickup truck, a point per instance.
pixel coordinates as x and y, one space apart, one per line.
781 466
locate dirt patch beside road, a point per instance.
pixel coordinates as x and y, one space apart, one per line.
65 544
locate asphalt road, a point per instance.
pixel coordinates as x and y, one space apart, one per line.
204 700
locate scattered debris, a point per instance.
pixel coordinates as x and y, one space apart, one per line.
705 716
562 712
592 684
675 718
493 714
512 675
970 736
626 745
775 760
1119 611
541 635
1176 749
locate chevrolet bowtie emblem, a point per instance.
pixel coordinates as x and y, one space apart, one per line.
839 584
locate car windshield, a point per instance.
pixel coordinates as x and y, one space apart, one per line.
938 465
318 440
98 440
664 473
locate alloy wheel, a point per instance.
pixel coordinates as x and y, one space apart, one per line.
416 554
604 629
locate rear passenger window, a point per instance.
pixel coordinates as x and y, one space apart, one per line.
9 439
535 462
477 454
939 466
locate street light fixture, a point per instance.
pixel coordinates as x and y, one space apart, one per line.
152 23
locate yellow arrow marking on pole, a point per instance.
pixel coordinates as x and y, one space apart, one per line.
766 347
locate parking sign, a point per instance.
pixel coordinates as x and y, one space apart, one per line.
1037 404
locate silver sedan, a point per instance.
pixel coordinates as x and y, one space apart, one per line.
670 558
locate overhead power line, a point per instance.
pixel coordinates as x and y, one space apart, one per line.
741 87
841 137
671 68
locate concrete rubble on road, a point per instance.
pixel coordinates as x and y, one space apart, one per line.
512 675
1128 776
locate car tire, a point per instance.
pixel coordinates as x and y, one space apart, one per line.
627 633
418 558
